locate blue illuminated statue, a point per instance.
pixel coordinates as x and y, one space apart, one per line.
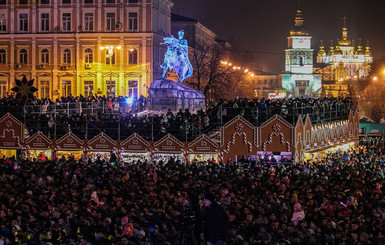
176 57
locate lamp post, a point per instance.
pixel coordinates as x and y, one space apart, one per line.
109 55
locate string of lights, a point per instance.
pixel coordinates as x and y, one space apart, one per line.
246 70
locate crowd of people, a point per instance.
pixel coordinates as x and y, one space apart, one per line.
89 116
338 199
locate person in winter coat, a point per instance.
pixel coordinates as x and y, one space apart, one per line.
216 226
298 214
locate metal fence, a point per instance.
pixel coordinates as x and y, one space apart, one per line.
87 120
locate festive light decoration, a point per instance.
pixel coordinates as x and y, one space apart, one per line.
24 89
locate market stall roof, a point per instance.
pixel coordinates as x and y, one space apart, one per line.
135 143
168 144
69 142
38 141
202 144
101 142
11 132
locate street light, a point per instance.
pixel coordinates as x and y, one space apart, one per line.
109 55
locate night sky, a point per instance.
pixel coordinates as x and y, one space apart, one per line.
261 27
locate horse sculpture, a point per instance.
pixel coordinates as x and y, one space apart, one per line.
176 57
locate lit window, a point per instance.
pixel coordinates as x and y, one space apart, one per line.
44 18
132 21
44 89
133 89
67 56
44 56
110 22
23 55
132 57
3 22
66 17
3 56
23 22
88 21
88 56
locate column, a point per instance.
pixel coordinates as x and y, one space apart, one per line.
33 64
34 19
55 83
99 83
78 51
121 85
100 17
12 64
143 81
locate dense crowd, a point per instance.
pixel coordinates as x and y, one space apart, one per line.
89 116
337 200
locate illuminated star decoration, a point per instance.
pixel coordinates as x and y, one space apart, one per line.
24 89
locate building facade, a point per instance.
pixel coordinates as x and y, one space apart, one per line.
58 44
344 61
299 79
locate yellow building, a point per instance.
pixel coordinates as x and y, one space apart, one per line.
58 43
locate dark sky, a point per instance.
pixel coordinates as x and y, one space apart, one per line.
263 25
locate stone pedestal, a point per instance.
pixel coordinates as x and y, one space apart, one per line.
165 94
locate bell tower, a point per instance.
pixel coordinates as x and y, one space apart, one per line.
299 79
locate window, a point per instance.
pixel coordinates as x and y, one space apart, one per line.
110 1
66 17
67 56
23 1
132 21
44 18
3 22
88 56
3 2
133 89
44 89
132 57
44 1
66 88
3 89
66 1
23 55
110 22
88 1
108 58
45 56
132 1
3 56
88 88
23 22
88 21
110 88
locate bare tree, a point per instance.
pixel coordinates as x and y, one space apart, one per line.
210 76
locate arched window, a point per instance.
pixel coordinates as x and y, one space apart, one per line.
89 56
23 55
45 56
132 56
67 56
3 56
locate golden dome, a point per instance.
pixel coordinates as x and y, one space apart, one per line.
331 51
367 51
338 50
321 51
359 51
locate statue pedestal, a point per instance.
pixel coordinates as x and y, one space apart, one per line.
165 94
